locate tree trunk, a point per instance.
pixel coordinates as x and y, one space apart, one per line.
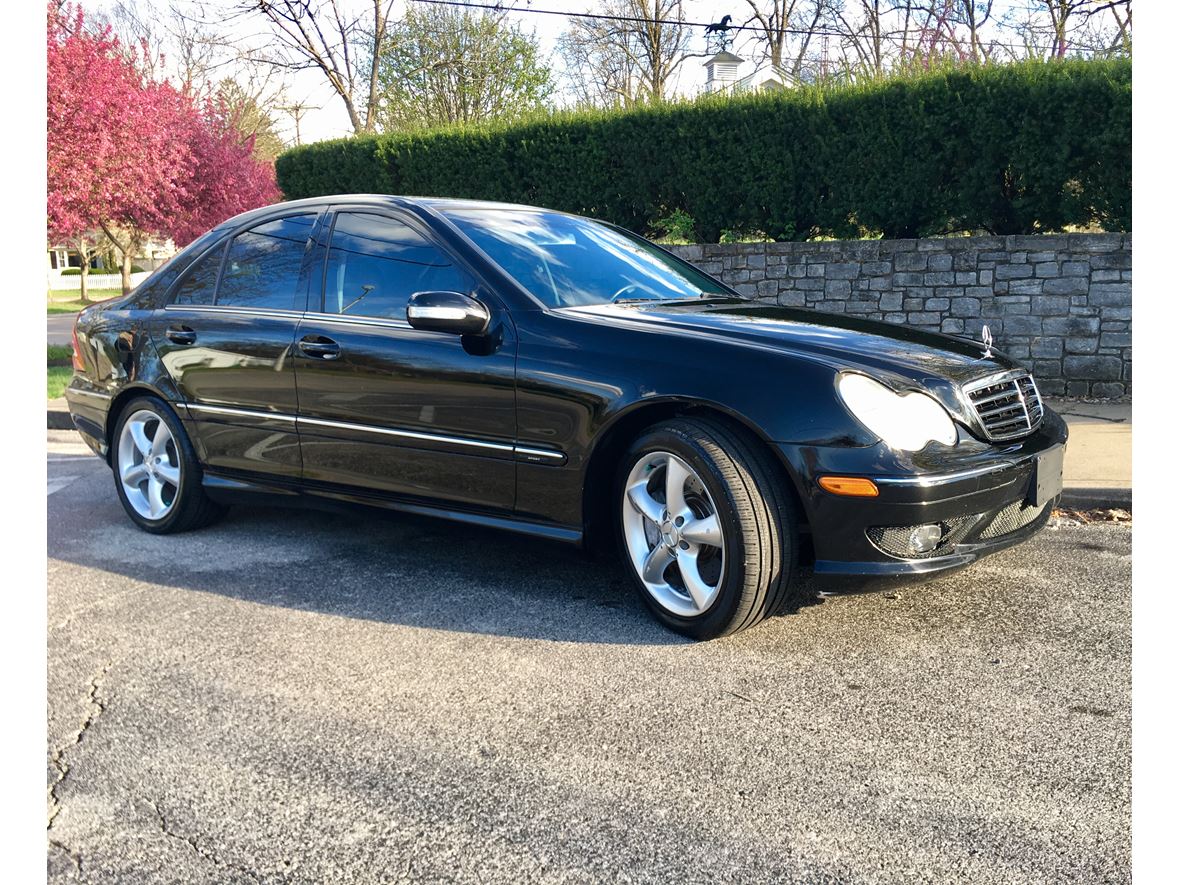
84 254
126 270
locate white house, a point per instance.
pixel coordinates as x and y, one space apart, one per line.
60 256
723 74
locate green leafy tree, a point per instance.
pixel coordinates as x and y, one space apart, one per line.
443 66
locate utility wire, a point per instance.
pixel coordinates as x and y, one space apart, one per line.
822 32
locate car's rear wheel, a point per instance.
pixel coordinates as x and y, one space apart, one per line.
157 475
708 531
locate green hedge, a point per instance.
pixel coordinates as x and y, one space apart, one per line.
1036 146
77 271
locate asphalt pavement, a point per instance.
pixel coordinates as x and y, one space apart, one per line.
59 328
296 696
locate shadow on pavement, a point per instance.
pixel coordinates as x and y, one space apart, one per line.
380 566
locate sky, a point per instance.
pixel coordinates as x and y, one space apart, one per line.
326 116
331 121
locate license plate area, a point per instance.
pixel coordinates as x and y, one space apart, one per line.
1047 481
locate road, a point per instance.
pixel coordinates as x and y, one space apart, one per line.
59 328
304 697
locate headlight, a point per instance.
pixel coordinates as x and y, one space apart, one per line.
902 420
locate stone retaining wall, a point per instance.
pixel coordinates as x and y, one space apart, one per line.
1059 303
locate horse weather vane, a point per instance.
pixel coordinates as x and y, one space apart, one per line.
717 36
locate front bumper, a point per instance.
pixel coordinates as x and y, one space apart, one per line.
980 493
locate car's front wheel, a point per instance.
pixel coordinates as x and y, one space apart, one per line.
157 475
708 532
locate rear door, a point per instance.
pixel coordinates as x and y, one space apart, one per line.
386 407
225 338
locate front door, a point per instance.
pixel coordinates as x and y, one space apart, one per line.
391 409
225 338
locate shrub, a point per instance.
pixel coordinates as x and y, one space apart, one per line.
77 271
1024 148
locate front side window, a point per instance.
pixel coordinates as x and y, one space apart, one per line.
566 261
375 263
263 264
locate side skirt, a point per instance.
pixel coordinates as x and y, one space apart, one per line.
232 489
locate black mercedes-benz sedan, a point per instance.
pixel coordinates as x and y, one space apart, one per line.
530 370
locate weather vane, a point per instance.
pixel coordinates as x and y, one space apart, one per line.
717 38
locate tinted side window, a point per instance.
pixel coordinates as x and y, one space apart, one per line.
197 286
376 263
262 267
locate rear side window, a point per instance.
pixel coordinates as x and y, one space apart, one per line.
199 284
262 265
376 263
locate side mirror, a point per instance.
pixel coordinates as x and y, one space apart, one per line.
451 312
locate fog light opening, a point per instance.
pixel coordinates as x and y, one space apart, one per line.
924 538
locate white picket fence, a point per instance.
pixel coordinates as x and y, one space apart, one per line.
73 283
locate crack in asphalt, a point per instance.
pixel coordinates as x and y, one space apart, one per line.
192 842
57 757
75 858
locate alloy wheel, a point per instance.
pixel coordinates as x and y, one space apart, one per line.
673 535
148 465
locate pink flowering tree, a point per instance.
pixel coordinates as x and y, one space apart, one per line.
133 157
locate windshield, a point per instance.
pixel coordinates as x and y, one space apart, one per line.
566 261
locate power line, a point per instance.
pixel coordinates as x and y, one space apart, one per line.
893 37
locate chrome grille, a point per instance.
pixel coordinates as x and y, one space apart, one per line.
1007 406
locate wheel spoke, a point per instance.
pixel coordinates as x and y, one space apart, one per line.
140 438
156 497
656 564
675 475
160 439
690 573
640 498
134 474
169 474
702 531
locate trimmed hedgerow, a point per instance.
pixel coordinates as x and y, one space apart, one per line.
77 271
1023 148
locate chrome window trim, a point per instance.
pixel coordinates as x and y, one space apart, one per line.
274 312
358 320
507 448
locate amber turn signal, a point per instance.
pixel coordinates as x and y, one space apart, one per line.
853 486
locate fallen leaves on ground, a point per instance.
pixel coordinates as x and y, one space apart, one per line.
1085 517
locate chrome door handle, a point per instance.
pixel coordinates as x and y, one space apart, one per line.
320 347
181 335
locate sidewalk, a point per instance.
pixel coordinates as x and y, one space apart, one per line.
1097 460
1098 457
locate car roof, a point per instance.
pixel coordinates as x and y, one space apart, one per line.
440 204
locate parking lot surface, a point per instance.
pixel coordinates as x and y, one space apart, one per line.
294 696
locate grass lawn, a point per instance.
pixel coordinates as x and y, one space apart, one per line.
59 379
66 301
59 374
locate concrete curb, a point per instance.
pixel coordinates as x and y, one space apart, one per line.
58 416
1096 499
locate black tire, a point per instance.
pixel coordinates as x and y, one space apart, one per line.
191 508
756 512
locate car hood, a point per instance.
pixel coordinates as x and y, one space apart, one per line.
840 340
900 356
